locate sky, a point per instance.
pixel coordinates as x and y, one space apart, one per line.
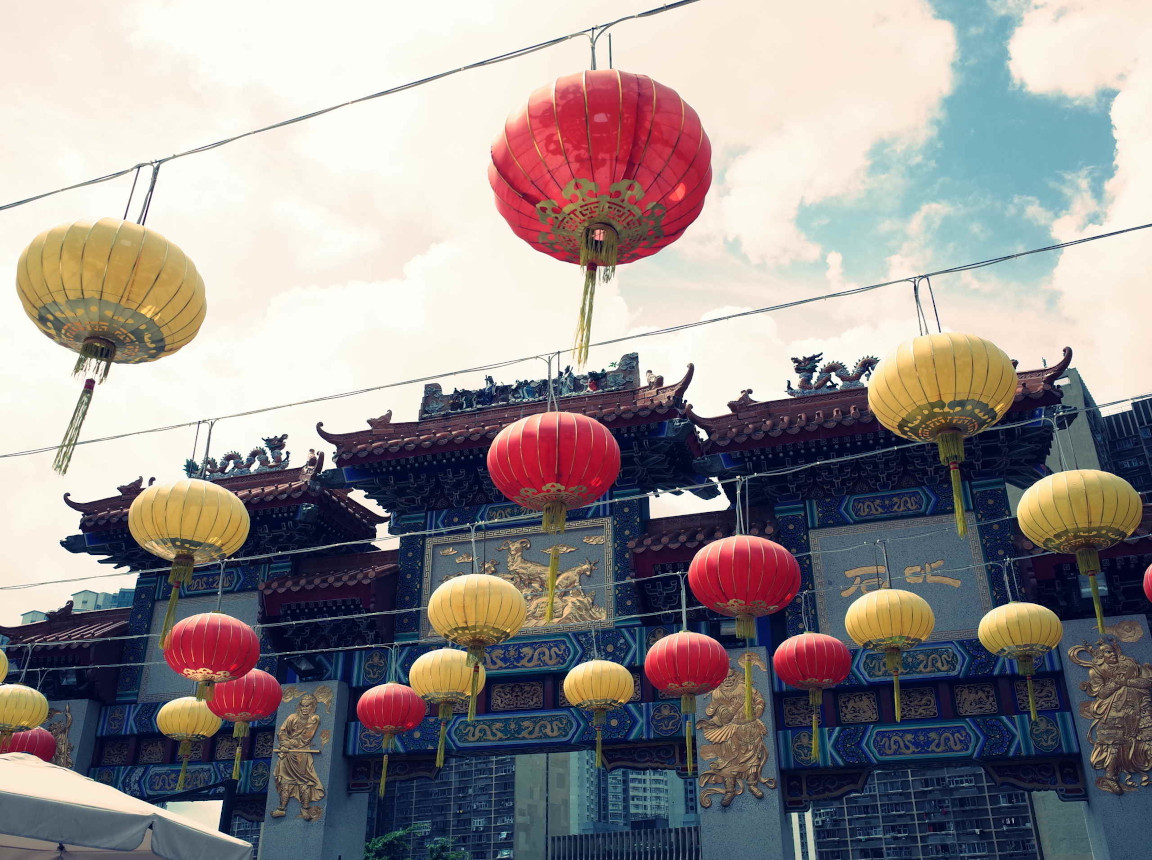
853 143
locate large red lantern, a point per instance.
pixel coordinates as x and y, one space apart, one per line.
390 710
245 700
689 664
601 168
38 742
744 577
211 648
553 462
812 662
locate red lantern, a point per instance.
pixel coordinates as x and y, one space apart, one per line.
38 742
245 700
600 168
1148 582
211 648
690 664
554 462
389 710
812 662
744 577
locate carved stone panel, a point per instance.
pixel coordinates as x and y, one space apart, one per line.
858 707
918 703
525 696
976 699
153 751
1044 690
797 712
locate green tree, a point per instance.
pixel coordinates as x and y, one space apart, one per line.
396 845
443 849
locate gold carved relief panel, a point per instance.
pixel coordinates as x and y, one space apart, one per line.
858 707
977 699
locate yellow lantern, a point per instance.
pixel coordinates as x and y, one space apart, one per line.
892 621
3 666
943 388
21 708
444 678
187 719
1082 512
599 686
114 292
189 522
1021 632
475 611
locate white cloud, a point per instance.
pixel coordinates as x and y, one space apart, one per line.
1101 287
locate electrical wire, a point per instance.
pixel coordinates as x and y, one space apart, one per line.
618 340
208 147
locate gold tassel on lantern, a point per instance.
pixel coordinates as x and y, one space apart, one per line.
180 574
815 697
205 690
599 252
553 573
554 517
1027 669
384 767
72 434
96 356
475 660
747 661
951 447
236 761
1088 563
688 709
598 722
184 752
892 660
445 716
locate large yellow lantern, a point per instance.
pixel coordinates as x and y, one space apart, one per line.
1082 512
943 388
475 611
892 621
21 708
114 292
3 666
189 522
187 719
444 678
1021 632
599 686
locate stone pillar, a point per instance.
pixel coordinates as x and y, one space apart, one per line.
300 819
1108 680
74 723
741 806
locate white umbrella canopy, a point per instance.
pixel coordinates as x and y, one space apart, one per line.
49 812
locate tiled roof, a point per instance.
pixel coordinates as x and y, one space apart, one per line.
330 573
696 530
752 420
97 624
258 490
385 440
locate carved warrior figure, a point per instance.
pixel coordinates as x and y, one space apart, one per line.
1121 714
806 369
295 774
734 742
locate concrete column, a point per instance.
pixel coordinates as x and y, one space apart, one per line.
1109 681
310 812
741 807
74 723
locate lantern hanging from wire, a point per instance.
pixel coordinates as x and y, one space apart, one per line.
1023 632
744 577
444 678
943 388
256 695
599 169
689 665
189 522
1082 511
599 686
475 611
390 710
813 662
38 742
115 293
211 648
553 462
21 708
185 720
891 621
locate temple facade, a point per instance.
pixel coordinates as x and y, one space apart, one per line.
813 470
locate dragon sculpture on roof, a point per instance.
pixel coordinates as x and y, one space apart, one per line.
806 369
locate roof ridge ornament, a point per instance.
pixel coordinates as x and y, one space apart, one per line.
269 457
806 369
